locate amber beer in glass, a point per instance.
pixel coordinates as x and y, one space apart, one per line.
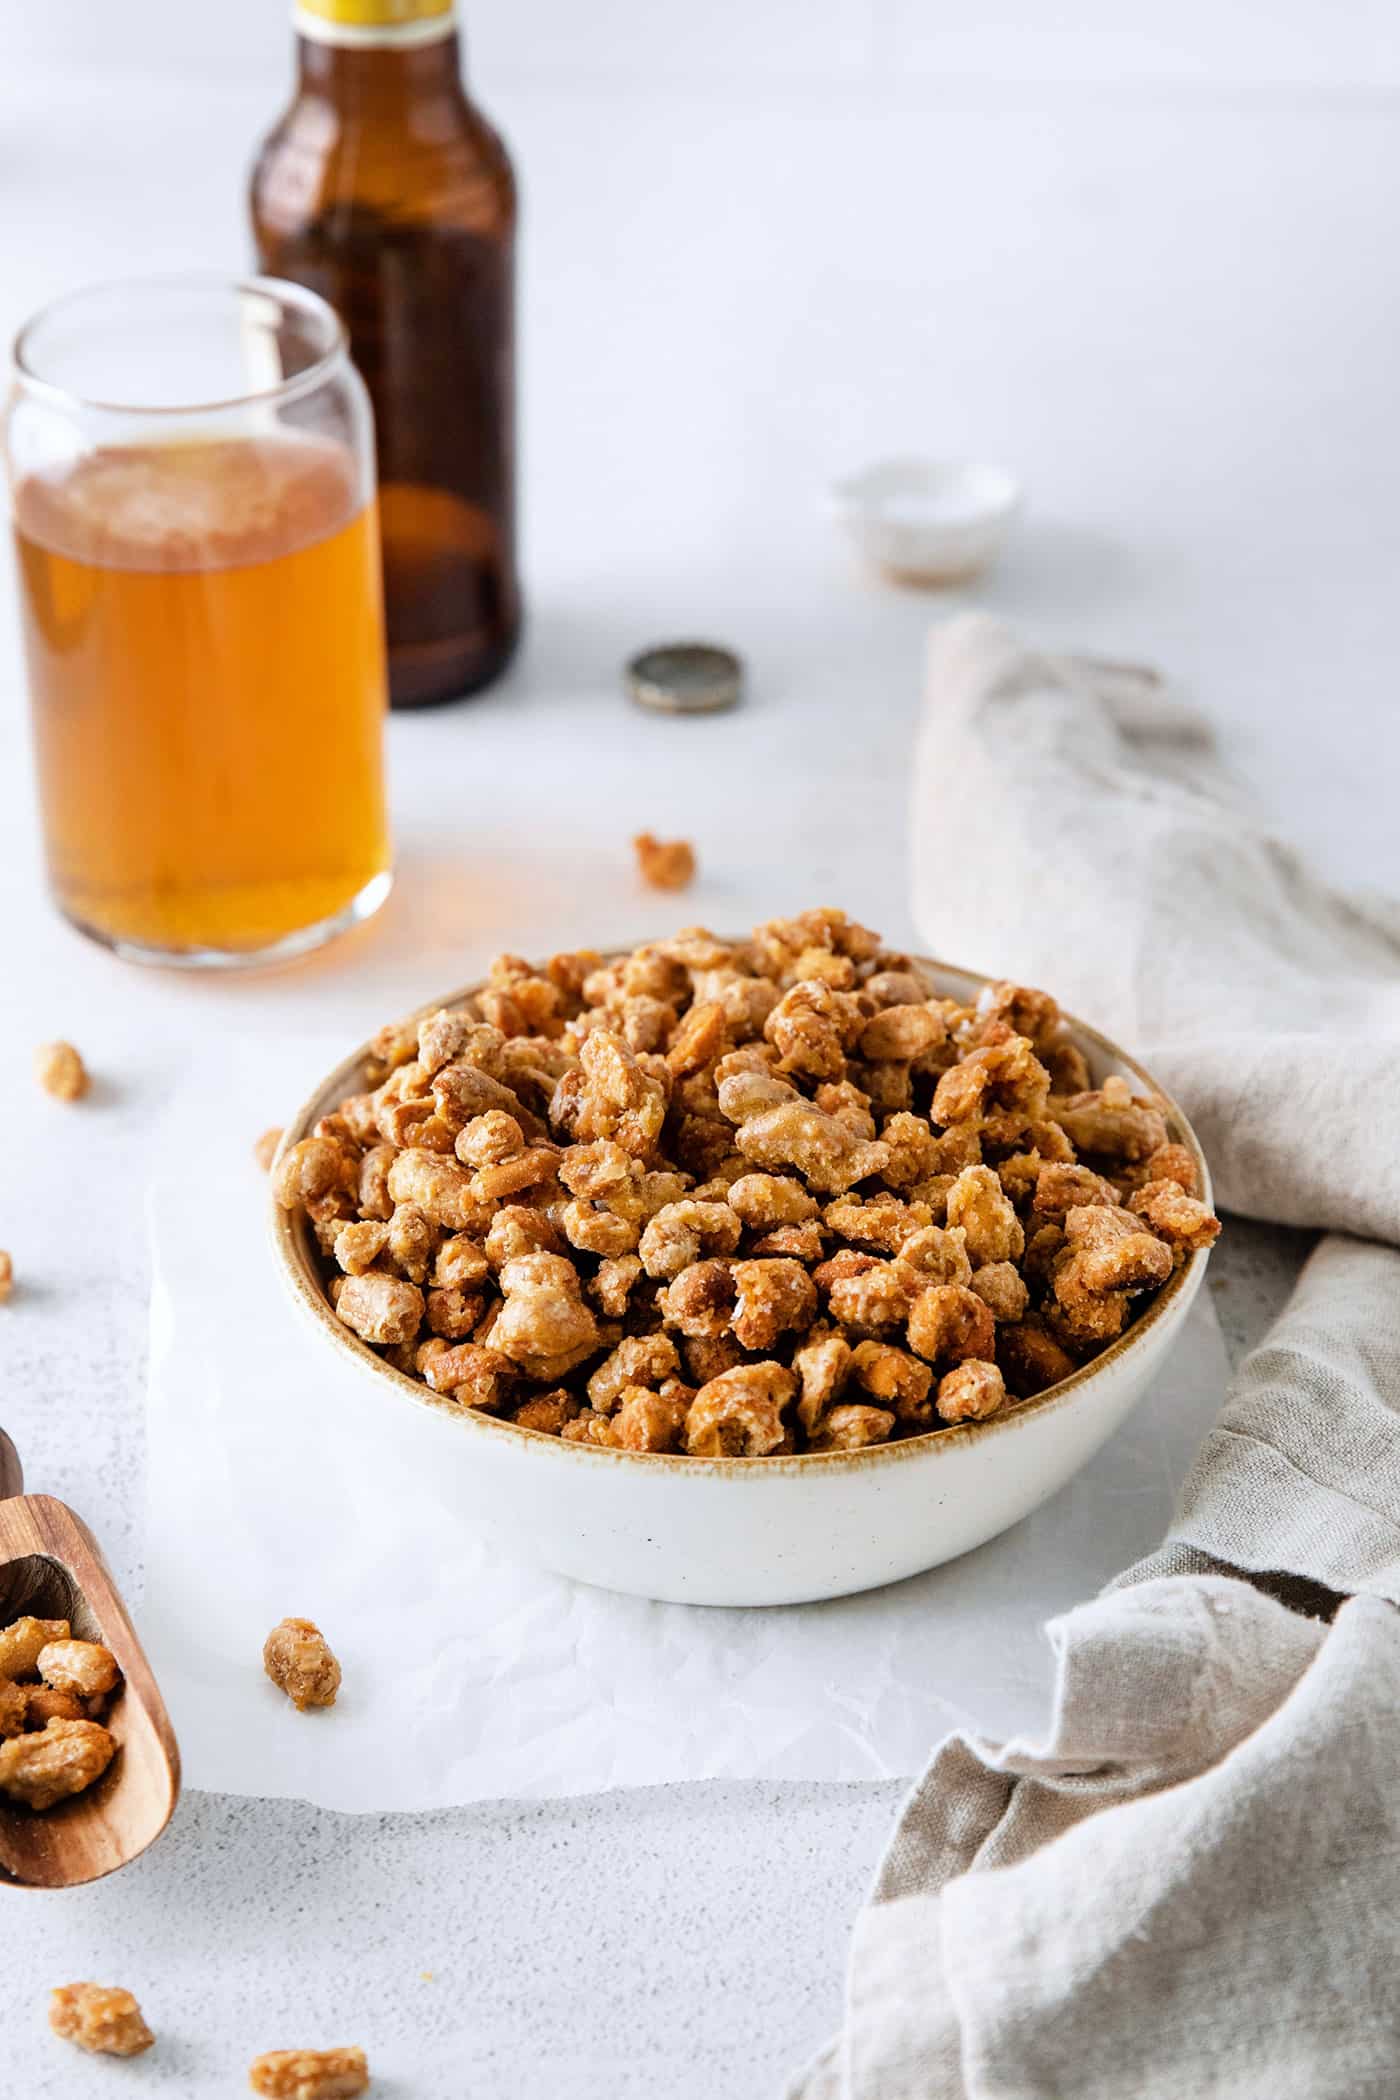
191 467
384 188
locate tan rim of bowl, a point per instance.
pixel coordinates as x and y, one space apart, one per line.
301 1270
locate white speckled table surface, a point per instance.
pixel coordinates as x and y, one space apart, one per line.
1116 307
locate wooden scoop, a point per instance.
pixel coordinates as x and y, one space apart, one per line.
51 1568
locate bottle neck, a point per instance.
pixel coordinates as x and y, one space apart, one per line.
380 74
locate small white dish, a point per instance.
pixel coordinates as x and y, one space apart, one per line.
745 1531
928 521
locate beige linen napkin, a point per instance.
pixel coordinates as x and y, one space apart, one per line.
1187 1892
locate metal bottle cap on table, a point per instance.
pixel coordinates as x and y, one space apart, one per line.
686 678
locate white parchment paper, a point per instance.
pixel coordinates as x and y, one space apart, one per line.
277 1485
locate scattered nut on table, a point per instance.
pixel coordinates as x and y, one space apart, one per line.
60 1071
664 864
51 1743
266 1147
298 1659
7 1275
310 2074
100 2018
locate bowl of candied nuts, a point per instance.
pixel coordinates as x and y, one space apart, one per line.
746 1271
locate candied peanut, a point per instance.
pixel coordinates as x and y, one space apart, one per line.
23 1641
1026 1011
489 1139
813 1027
1031 1358
358 1246
100 2018
381 1308
681 1233
915 1150
438 1186
1171 1163
937 1254
393 1045
700 1301
544 1325
851 1426
804 1243
664 864
1000 1286
310 2074
648 1421
948 1323
373 1185
460 1264
903 1033
883 1222
701 1037
469 1374
60 1071
1043 1251
42 1704
1112 1251
893 1377
971 1392
747 1090
638 1360
588 1428
844 1100
516 1229
876 1297
298 1659
822 1365
771 1297
412 1242
462 1092
739 1414
311 1168
453 1036
84 1668
898 983
454 1313
1000 1088
14 1710
1060 1188
61 1759
819 1145
706 1355
529 1171
1181 1220
977 1205
612 1286
1111 1124
763 1200
550 1413
265 1150
620 1098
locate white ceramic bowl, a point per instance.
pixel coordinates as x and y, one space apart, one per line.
928 521
759 1530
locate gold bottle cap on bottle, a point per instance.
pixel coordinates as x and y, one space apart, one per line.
374 21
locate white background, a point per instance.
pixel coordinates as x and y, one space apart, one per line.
1145 255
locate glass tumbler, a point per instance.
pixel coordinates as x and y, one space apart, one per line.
191 465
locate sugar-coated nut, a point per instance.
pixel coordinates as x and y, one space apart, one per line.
315 1166
739 1414
14 1709
971 1392
43 1704
648 1421
310 2074
60 1071
23 1641
949 1323
381 1308
894 1378
265 1150
822 1365
852 1426
976 1204
1181 1219
1031 1357
469 1374
1002 1289
61 1759
638 1360
681 1233
100 2018
664 864
298 1659
84 1668
700 1301
772 1297
937 1254
7 1275
549 1413
765 1200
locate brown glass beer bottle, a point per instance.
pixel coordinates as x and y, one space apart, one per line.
385 189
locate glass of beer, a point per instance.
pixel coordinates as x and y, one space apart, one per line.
192 469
